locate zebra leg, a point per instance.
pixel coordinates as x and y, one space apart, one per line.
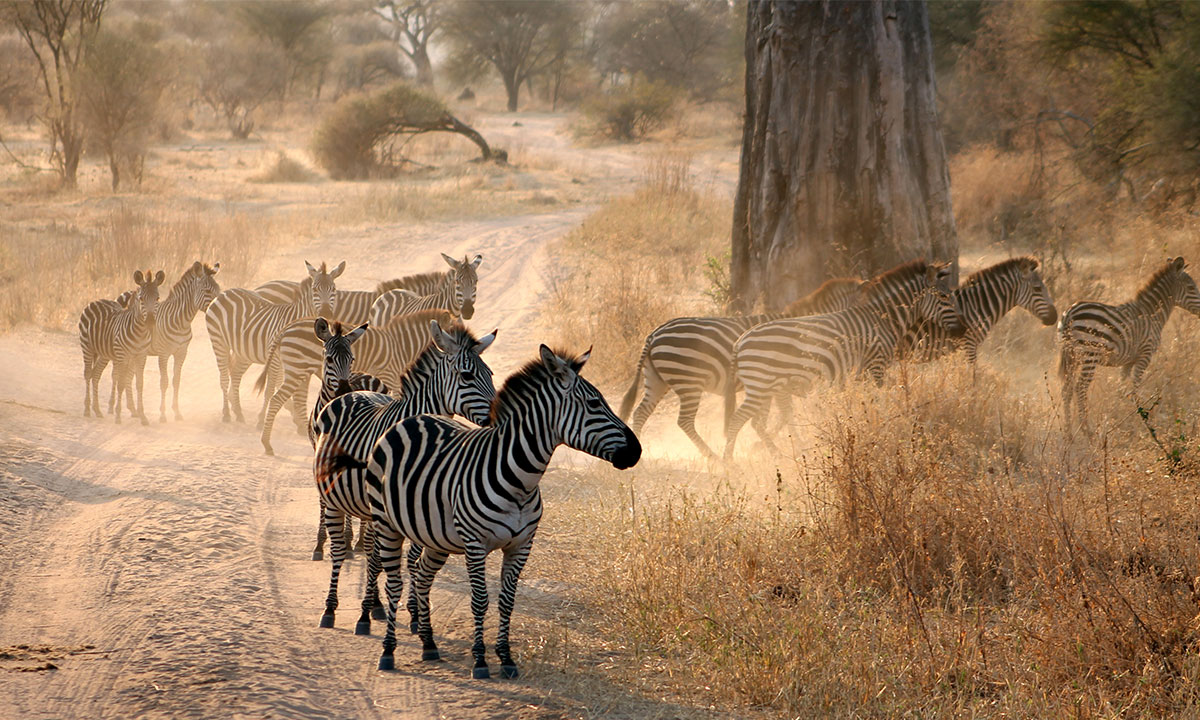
751 408
318 552
164 380
223 360
97 371
655 389
140 375
112 391
334 524
371 594
236 371
1087 371
510 572
414 556
476 555
87 387
120 375
180 356
689 405
784 400
390 545
427 567
275 402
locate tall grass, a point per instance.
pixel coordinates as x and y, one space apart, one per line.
51 273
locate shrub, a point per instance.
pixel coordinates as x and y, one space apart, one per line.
631 111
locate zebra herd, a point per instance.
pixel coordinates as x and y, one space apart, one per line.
398 363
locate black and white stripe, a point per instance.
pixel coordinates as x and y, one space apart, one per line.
120 334
457 490
1125 336
447 378
982 300
455 292
692 355
242 327
791 354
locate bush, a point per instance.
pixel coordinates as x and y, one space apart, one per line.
356 140
631 111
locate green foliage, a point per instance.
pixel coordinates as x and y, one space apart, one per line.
716 269
631 111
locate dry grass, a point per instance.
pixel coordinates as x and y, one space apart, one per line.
285 169
51 272
635 263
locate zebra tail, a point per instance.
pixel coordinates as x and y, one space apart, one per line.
730 393
1064 361
632 393
261 383
338 462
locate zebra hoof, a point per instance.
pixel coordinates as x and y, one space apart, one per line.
268 450
362 627
378 613
327 620
481 673
318 555
387 662
431 654
413 627
162 418
509 672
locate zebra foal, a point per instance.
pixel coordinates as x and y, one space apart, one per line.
1126 336
777 356
457 490
454 292
120 334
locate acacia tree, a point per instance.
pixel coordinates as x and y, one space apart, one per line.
413 23
57 33
843 169
298 29
520 39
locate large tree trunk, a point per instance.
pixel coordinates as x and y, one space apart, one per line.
843 169
512 86
420 61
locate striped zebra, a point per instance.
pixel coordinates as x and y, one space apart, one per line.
692 355
120 334
242 328
172 332
984 298
457 490
793 353
1126 336
455 292
420 284
447 378
353 306
385 351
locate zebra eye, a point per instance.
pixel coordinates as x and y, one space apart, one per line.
467 375
594 403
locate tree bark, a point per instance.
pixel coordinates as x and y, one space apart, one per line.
420 61
843 168
512 86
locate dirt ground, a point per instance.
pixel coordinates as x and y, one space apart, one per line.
165 571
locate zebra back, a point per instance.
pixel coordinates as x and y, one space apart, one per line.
420 285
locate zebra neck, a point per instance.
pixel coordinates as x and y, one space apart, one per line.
983 304
528 442
418 397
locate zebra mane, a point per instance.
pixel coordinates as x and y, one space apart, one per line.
828 288
1000 268
900 275
403 282
428 356
527 380
421 318
1149 290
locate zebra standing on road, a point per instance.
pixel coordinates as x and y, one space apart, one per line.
982 300
447 378
172 332
111 332
777 356
692 355
336 376
455 292
243 329
1125 336
353 306
457 490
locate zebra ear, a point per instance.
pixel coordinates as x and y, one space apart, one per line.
450 261
137 277
1178 263
338 270
356 333
159 277
312 271
485 342
581 360
476 260
442 340
558 369
214 269
321 328
197 267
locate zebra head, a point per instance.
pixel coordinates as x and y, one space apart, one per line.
323 289
144 300
335 369
202 286
1185 292
934 306
463 379
583 418
1031 292
465 279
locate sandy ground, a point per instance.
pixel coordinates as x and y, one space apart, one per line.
164 571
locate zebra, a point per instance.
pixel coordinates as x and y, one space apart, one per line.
984 298
242 329
448 377
172 332
692 355
110 331
384 351
353 306
420 284
455 292
862 340
457 490
1126 336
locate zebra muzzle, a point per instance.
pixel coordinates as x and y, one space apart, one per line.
627 455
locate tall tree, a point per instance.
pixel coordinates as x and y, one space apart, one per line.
57 32
299 29
843 169
413 23
520 39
